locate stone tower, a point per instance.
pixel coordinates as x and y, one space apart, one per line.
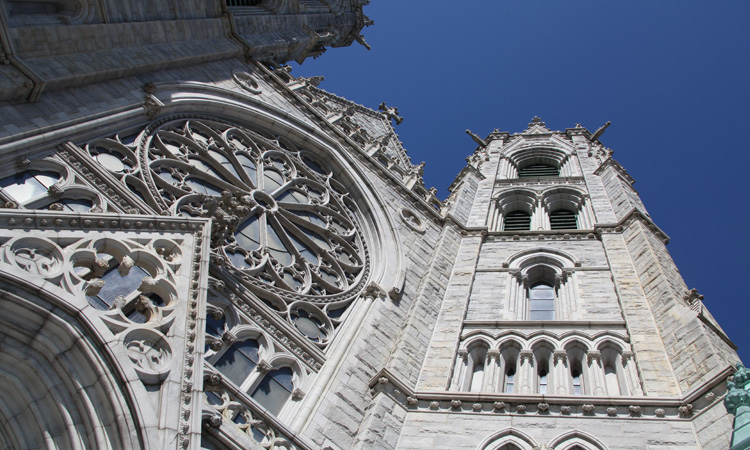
199 250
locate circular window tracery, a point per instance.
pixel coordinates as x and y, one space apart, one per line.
279 216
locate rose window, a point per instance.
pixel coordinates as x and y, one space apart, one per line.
279 215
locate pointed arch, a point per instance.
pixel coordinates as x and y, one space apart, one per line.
508 436
568 441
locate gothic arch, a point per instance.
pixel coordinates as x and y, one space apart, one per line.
58 387
569 440
508 436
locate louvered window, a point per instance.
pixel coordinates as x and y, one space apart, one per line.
563 219
538 170
517 221
231 3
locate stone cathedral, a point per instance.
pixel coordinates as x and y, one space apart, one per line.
199 250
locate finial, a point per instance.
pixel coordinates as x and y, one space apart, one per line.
536 121
391 113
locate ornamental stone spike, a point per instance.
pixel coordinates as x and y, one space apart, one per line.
737 403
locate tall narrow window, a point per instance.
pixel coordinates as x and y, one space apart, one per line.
476 377
563 219
543 381
576 382
510 377
610 378
239 361
541 302
275 389
517 221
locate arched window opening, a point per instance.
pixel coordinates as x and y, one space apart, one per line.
238 362
275 389
476 377
563 219
517 221
538 170
541 302
510 380
543 380
577 386
610 377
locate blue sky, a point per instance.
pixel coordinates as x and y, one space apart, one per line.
672 76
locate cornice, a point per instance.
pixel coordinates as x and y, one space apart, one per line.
633 215
609 162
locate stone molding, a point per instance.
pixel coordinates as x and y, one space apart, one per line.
685 408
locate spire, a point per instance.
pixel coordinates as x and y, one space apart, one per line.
737 402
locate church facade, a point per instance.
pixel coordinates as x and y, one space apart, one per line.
200 250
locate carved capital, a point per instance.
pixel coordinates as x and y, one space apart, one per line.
560 356
626 356
298 394
526 355
594 356
264 366
493 354
463 353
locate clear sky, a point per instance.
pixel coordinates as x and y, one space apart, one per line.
672 76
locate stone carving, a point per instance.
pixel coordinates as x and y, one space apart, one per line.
521 409
565 409
411 401
150 353
611 411
543 407
660 412
434 405
686 410
498 405
411 219
38 261
256 196
587 408
246 81
456 404
152 106
391 113
476 407
246 418
635 410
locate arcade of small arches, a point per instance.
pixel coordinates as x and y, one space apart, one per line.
557 208
513 439
547 366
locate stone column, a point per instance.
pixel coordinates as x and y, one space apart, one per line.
459 371
596 372
561 376
525 373
631 373
489 382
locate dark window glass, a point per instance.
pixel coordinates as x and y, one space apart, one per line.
274 390
26 185
116 285
237 363
542 302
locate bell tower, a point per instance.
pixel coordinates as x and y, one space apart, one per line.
564 302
